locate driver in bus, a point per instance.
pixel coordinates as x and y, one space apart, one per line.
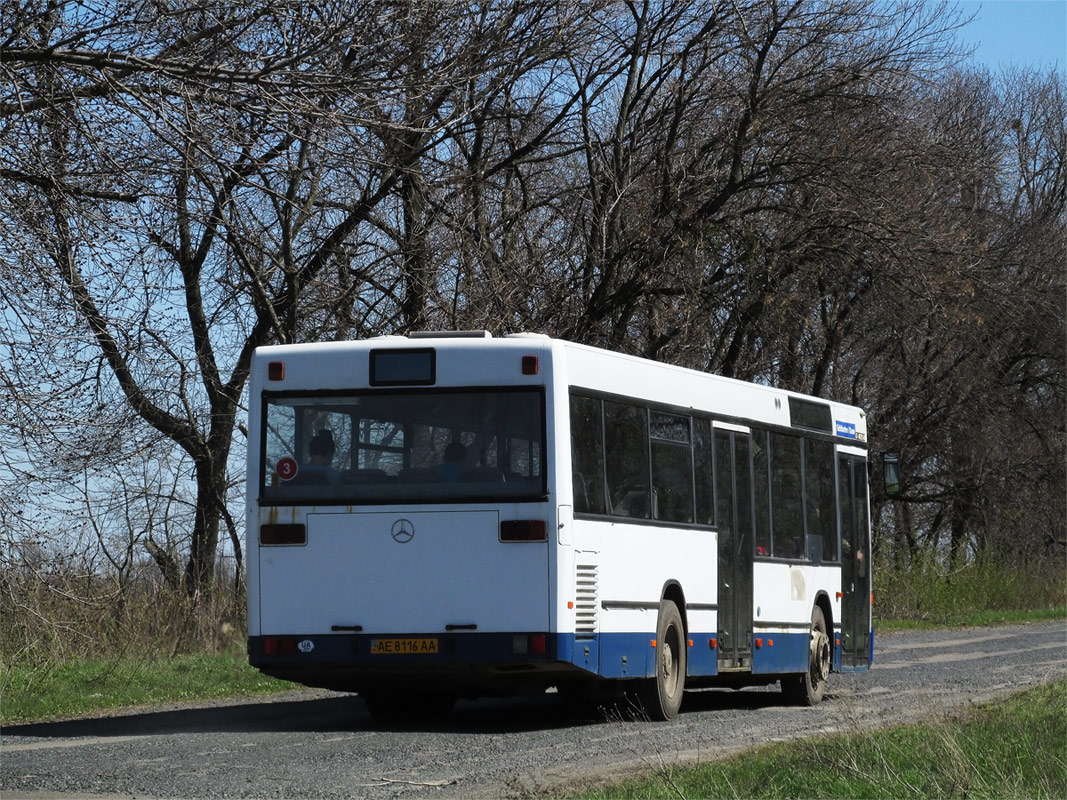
455 455
320 456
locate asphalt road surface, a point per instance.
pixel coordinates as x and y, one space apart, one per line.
321 745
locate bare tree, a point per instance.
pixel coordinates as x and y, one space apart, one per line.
801 193
181 184
966 374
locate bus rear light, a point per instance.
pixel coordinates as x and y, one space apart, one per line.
759 644
529 365
276 370
282 534
279 646
713 643
533 644
523 530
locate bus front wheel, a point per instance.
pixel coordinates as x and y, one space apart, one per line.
662 696
807 688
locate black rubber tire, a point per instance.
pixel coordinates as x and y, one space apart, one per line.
661 697
807 688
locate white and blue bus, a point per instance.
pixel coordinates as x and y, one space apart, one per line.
451 515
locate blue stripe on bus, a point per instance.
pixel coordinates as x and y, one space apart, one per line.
607 655
780 653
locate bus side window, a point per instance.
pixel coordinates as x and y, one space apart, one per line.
672 467
703 467
787 514
820 509
762 491
626 459
587 455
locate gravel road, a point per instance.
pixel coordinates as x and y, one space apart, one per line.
320 745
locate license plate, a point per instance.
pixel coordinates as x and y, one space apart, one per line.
402 646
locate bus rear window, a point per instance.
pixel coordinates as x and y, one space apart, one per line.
403 445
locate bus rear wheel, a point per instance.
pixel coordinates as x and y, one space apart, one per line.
807 688
661 698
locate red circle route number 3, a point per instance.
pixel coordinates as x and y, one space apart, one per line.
287 468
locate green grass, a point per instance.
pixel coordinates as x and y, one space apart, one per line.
971 618
80 687
990 590
1013 749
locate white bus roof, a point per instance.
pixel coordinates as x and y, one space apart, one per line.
316 366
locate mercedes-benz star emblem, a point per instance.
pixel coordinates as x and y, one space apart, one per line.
403 531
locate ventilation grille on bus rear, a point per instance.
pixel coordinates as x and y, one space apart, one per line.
585 603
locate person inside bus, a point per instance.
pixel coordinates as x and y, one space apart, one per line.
455 455
320 458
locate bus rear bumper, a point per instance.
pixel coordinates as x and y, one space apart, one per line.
469 662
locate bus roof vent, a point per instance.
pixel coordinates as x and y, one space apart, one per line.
525 335
450 335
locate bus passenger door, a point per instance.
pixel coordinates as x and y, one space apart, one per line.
855 562
733 488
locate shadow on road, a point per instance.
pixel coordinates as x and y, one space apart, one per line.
325 714
348 713
749 699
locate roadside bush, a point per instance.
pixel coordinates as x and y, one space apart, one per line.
51 613
933 590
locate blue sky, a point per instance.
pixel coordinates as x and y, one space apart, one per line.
1028 33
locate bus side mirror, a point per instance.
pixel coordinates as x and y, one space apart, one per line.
891 473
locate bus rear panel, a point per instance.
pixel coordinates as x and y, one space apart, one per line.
421 550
